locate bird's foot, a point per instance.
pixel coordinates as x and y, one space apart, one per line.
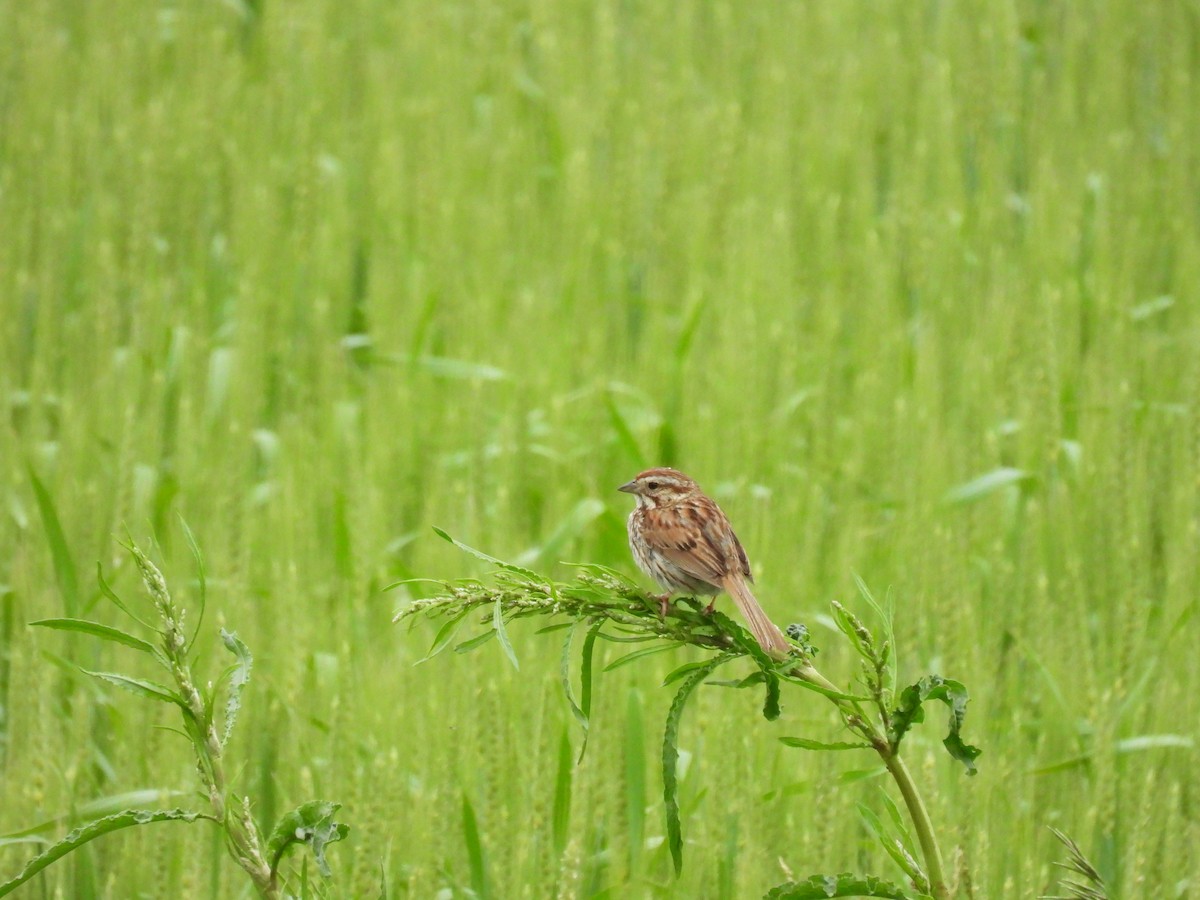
664 603
708 610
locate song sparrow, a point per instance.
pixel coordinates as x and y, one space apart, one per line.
681 539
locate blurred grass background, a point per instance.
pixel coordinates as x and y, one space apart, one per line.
320 275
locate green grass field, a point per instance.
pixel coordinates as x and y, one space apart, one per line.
318 276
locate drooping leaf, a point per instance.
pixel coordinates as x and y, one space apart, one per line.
444 636
564 671
310 823
502 634
89 832
478 641
670 755
823 887
96 629
238 679
585 679
910 711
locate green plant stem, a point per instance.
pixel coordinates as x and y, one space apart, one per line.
934 868
921 822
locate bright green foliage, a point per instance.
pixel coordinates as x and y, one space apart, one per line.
322 274
910 710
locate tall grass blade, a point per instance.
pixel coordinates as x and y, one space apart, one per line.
562 794
64 565
476 860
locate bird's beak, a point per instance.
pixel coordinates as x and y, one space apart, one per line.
630 487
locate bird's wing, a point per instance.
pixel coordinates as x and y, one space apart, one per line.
693 538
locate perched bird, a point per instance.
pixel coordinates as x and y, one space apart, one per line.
682 539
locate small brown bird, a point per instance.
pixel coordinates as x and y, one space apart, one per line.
682 539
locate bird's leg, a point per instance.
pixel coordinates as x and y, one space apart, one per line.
664 603
712 604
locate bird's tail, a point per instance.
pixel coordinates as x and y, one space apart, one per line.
766 632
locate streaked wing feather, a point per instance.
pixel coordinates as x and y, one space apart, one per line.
691 539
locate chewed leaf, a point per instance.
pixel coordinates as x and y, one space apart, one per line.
483 557
310 823
909 711
238 679
92 830
822 887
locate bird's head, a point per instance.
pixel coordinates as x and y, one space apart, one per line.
660 487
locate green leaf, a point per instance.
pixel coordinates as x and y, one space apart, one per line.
636 655
92 830
444 636
95 629
100 806
989 483
564 670
149 689
502 634
771 703
491 560
60 553
893 847
238 679
670 754
116 601
585 679
478 641
480 883
310 823
910 711
823 887
806 744
202 595
684 670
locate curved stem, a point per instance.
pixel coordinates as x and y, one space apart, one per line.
934 867
922 824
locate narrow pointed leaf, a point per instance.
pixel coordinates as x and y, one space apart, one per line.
96 629
806 744
238 679
89 832
670 755
60 553
149 689
480 555
502 634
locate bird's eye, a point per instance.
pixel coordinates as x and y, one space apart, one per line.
653 485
